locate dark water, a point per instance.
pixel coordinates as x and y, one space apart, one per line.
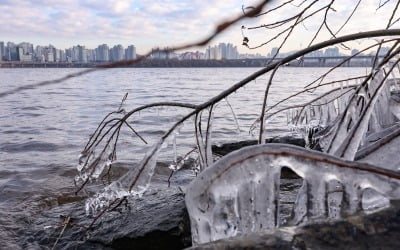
43 130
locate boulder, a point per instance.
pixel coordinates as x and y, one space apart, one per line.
157 220
380 230
230 147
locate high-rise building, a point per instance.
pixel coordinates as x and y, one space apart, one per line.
1 50
22 56
91 55
39 54
222 51
332 52
63 56
231 51
130 52
12 52
117 53
102 53
27 47
274 52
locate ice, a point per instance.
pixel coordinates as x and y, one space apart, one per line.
319 113
204 143
384 149
134 182
369 101
91 166
233 114
239 194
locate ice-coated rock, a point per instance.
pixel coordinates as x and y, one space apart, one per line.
380 230
239 194
383 149
158 220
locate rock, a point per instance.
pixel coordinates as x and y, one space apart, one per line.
382 148
230 147
379 230
158 220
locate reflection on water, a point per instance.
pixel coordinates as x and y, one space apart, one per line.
43 130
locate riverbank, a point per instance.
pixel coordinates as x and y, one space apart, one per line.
175 63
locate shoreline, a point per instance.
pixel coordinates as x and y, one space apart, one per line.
172 63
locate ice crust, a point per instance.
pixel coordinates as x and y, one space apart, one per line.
346 115
134 182
385 151
239 194
320 112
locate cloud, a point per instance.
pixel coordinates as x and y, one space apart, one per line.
160 23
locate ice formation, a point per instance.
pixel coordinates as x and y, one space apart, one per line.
134 182
239 194
345 115
320 112
384 151
204 141
368 111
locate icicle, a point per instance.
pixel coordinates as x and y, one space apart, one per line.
134 182
209 157
174 148
233 115
349 136
239 194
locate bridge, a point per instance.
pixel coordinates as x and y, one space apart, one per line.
311 61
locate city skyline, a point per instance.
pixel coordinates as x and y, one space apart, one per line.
28 52
159 24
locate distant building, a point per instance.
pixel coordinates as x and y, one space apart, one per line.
161 54
91 55
11 53
24 57
49 56
192 56
316 53
130 52
383 51
63 56
27 47
250 56
102 53
354 51
117 53
1 50
82 54
221 52
39 53
274 52
231 52
332 52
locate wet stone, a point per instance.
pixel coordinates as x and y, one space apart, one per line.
230 147
158 220
380 230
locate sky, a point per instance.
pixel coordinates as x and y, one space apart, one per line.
149 24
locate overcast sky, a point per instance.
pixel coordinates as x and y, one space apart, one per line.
148 24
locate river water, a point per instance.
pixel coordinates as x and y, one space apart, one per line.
43 130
